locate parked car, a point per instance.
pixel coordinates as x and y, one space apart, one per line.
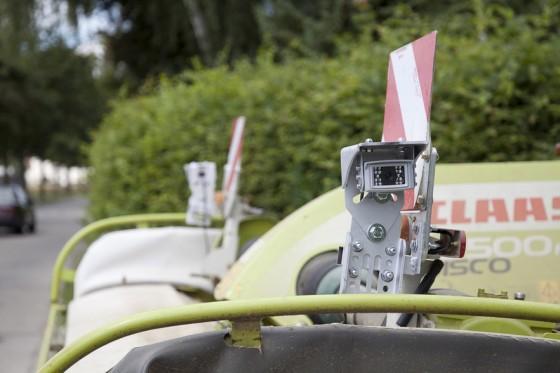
16 208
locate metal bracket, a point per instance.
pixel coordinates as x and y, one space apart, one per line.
482 293
375 256
245 334
420 220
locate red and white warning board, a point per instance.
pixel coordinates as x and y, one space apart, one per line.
409 97
409 91
233 165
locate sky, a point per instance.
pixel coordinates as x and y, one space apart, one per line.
85 37
89 40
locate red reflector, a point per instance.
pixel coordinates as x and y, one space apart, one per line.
463 245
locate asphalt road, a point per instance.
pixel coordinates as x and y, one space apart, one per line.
25 268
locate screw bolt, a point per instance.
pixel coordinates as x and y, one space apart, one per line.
414 245
353 272
519 296
391 250
376 232
357 246
381 197
387 276
369 140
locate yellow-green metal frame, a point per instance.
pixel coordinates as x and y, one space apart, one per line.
61 274
139 220
312 304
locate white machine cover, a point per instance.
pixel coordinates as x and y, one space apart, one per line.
100 308
169 255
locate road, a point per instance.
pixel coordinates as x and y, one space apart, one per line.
25 268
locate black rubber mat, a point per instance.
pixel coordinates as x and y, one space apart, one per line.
346 348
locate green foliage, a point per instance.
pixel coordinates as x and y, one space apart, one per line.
496 98
148 38
74 103
299 115
305 27
50 100
17 29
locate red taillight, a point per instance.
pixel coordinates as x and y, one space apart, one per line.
463 247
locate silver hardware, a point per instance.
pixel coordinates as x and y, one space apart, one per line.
357 246
387 276
519 295
376 232
391 250
421 200
413 263
381 197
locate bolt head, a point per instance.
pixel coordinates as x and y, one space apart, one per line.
381 197
357 246
519 296
353 272
369 140
387 276
376 232
391 250
358 182
414 245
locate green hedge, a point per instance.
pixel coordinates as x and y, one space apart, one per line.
495 99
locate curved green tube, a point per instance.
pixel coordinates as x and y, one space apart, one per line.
100 226
259 308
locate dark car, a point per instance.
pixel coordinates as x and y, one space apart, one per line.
16 208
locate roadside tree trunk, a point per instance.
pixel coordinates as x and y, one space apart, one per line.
6 165
20 171
200 30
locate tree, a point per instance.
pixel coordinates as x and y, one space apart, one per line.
306 27
495 99
50 100
150 38
76 102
